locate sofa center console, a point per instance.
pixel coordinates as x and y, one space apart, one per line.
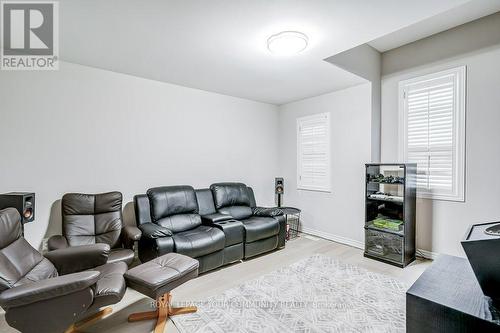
233 230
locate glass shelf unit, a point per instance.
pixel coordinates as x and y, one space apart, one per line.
390 200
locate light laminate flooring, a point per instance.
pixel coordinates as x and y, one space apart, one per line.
227 277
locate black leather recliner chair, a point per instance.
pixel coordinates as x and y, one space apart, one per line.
265 228
169 220
96 218
50 294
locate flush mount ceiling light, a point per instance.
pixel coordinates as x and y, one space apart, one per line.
287 43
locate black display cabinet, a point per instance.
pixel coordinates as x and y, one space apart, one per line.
390 202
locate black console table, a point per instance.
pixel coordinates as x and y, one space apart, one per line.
447 298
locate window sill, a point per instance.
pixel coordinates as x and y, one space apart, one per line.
314 189
436 197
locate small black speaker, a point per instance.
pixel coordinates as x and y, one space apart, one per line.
279 190
279 186
22 201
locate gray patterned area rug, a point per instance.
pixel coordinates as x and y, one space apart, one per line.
317 294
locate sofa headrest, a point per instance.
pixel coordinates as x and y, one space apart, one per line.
91 204
142 209
205 201
251 196
230 194
10 226
172 200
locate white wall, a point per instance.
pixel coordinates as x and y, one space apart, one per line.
338 215
81 129
455 42
366 62
442 224
89 130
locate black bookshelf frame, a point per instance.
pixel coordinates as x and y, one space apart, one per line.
407 235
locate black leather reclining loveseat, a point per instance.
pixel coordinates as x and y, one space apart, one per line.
265 228
216 226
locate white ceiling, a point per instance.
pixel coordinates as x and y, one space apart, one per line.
220 45
459 15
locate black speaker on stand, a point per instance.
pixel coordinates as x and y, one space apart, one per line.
279 190
24 202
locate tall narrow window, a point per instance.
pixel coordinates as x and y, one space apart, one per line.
432 109
313 152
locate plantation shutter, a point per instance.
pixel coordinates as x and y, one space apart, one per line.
314 152
432 113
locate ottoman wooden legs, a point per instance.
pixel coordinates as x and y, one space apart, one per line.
161 314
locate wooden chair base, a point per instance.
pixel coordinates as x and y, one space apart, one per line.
75 328
161 314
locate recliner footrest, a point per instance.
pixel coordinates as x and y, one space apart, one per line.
233 253
261 246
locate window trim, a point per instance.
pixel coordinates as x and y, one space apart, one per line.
302 187
459 130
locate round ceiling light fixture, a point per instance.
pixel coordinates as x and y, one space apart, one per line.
287 43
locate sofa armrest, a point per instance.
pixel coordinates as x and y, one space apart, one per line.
130 234
153 231
57 242
267 212
283 231
155 241
78 258
47 289
215 217
150 248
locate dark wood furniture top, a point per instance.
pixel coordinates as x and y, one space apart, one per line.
448 298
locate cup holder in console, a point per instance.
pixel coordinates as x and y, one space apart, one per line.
227 221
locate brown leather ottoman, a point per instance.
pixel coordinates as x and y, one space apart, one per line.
156 278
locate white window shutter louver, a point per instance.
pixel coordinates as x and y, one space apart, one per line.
313 148
433 116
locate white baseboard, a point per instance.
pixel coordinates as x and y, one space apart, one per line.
427 254
357 244
335 238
